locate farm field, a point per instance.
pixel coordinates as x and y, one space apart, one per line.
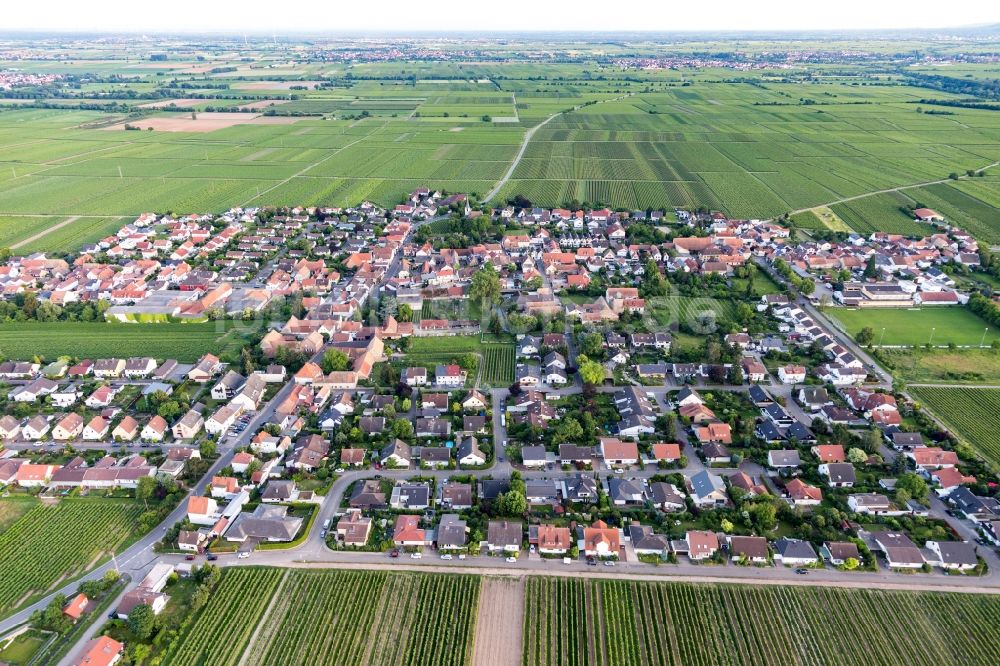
311 618
50 340
961 366
498 364
50 543
913 327
570 621
973 413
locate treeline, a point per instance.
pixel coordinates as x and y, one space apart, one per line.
958 103
982 89
985 308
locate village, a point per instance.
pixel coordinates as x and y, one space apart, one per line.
513 387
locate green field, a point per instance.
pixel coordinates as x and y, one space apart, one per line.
576 622
946 366
312 618
915 327
755 145
50 543
973 413
498 365
184 342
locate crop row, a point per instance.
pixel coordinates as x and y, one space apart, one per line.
623 623
974 413
498 365
52 542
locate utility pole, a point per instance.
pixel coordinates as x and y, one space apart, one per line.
932 335
881 337
983 341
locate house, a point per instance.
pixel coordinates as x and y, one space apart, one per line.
202 510
241 462
206 368
414 376
139 367
96 429
792 374
68 427
188 426
666 452
108 368
688 396
224 487
829 453
100 398
34 391
814 398
701 545
190 540
602 541
36 428
154 430
716 453
838 475
753 369
474 401
744 482
449 376
953 555
541 491
838 552
784 459
717 432
616 452
749 549
550 539
408 496
870 503
469 453
126 430
268 522
456 496
666 496
580 488
707 490
367 494
646 542
534 456
801 493
100 651
432 427
571 454
29 475
407 532
354 528
76 606
9 427
396 453
223 419
900 552
932 457
228 386
627 492
451 532
504 536
794 552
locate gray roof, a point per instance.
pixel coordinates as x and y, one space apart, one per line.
957 552
794 548
704 484
451 531
267 522
505 533
533 453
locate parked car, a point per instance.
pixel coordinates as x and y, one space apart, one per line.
446 557
415 556
394 553
212 557
189 557
511 558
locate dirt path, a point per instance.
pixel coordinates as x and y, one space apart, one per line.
499 622
46 232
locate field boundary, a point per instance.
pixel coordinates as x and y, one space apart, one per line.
45 232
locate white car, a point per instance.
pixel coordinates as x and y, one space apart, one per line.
415 556
609 563
461 556
339 470
446 557
243 555
511 558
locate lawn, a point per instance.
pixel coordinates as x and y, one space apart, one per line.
973 413
184 342
21 650
574 622
917 326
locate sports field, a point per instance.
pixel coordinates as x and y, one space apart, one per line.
915 327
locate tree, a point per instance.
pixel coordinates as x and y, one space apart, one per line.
736 374
857 456
334 360
568 430
521 323
591 344
246 360
727 525
870 270
406 404
914 484
807 287
404 313
851 563
402 429
144 490
872 441
591 372
207 449
512 503
141 621
486 285
653 282
865 336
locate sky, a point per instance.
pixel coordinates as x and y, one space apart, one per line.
499 15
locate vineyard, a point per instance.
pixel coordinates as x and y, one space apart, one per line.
311 618
973 413
625 623
498 365
50 543
184 342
